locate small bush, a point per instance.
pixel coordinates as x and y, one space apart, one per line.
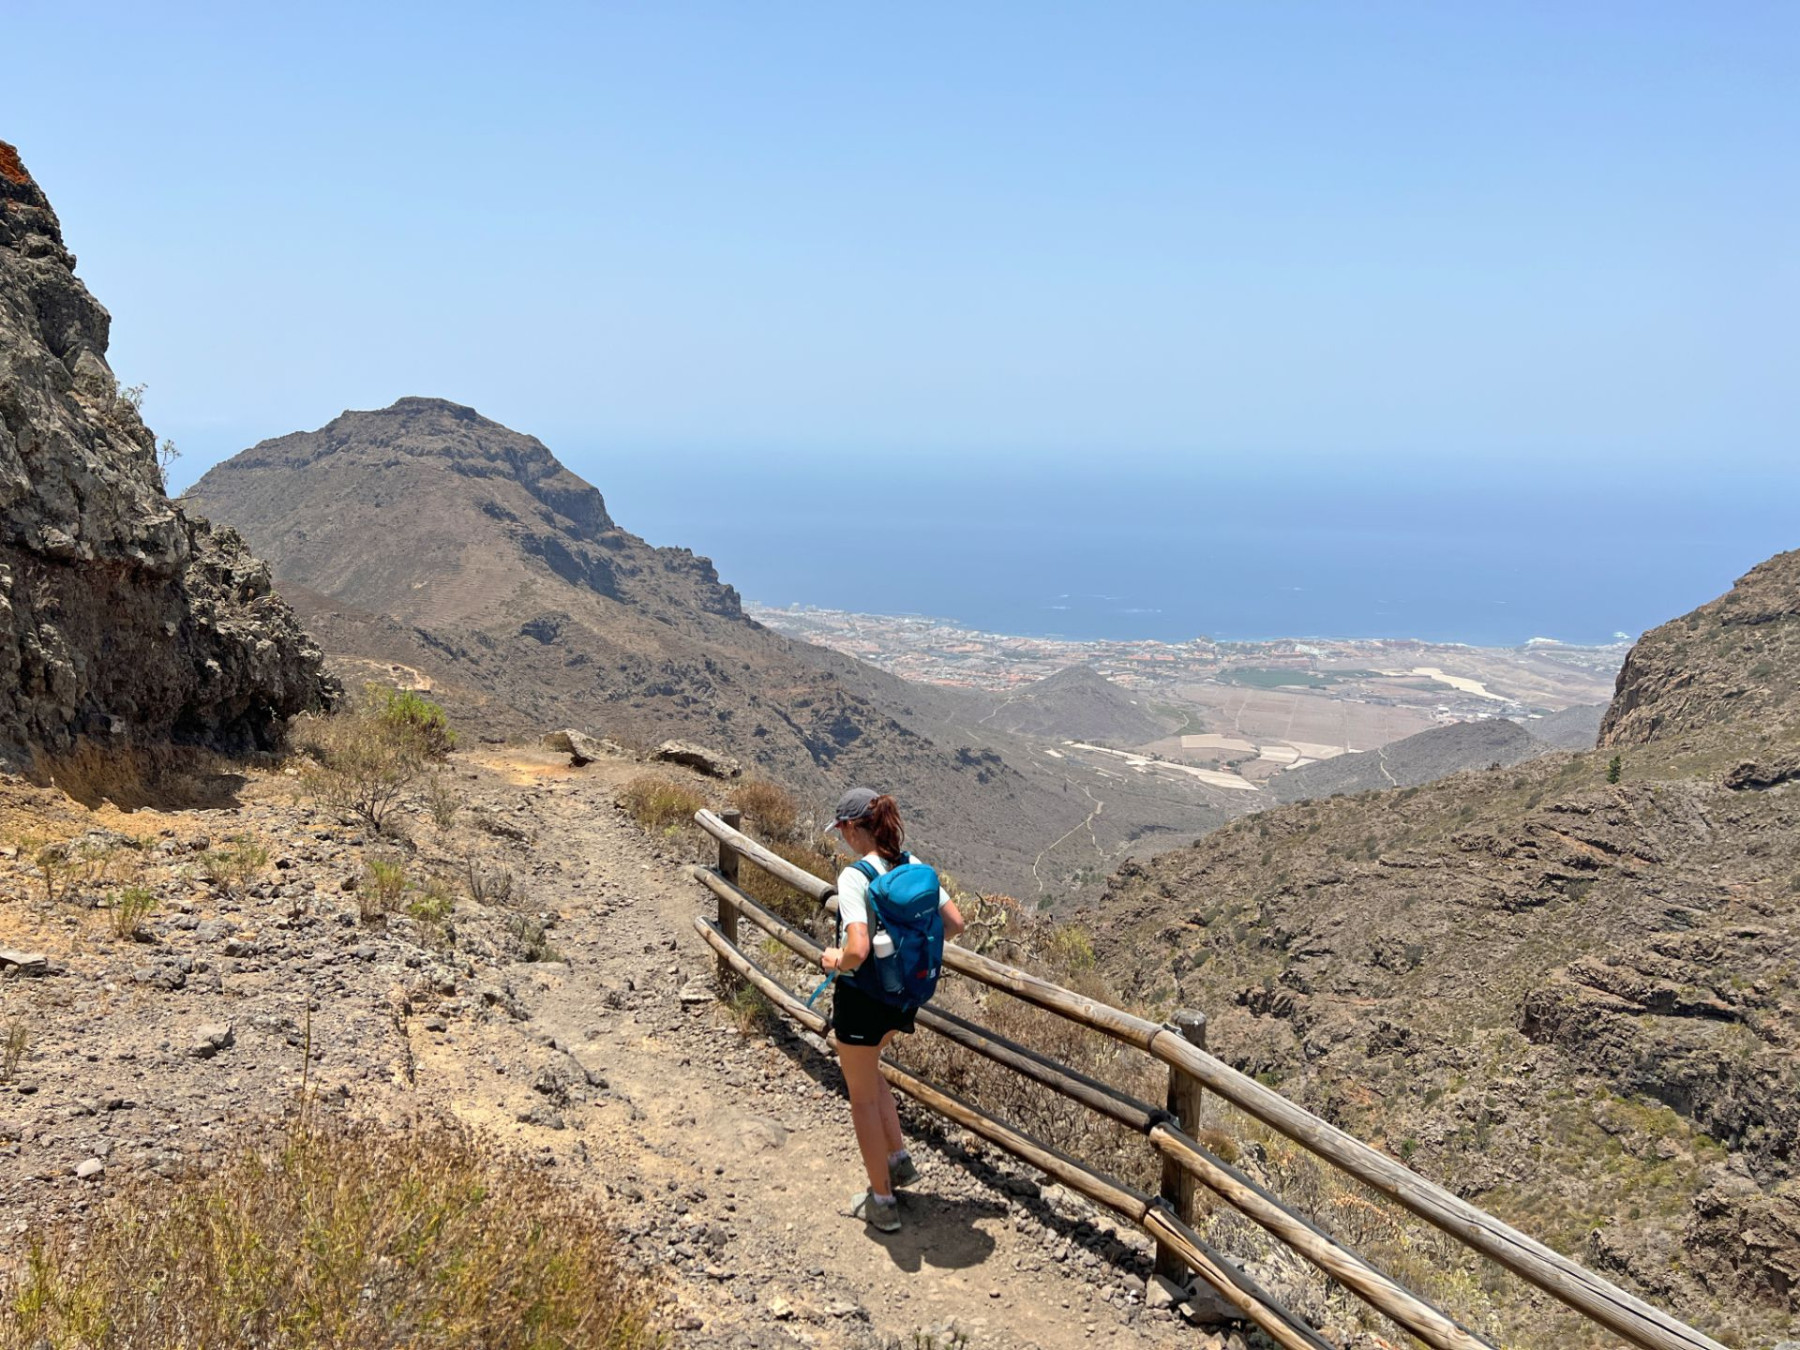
383 885
337 1235
236 867
1614 768
433 903
488 886
15 1040
751 1011
130 907
768 809
409 714
658 803
531 938
443 801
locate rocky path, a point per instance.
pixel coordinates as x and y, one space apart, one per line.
731 1156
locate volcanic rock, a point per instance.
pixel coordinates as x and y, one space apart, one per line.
121 617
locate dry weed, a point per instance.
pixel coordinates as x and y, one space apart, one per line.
333 1234
769 809
659 803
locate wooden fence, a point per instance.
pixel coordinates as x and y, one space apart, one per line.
1169 1217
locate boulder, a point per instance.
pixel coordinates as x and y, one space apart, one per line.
210 1038
578 746
709 762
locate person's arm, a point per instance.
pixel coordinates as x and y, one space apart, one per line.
953 919
852 954
853 914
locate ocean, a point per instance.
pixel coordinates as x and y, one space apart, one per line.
1252 552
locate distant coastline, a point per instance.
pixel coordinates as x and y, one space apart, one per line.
762 611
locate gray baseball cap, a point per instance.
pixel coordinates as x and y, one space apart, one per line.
854 804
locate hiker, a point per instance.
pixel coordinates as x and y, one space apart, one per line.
874 998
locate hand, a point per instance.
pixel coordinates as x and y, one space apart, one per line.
832 955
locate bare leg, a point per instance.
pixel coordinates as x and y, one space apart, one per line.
890 1110
867 1090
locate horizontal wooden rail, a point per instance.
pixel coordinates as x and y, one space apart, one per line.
1090 1092
771 862
1429 1324
1232 1284
1595 1298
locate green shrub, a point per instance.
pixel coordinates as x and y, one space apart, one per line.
407 713
383 884
335 1234
130 907
1614 769
433 903
360 762
658 803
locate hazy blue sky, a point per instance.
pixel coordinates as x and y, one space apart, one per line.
1562 232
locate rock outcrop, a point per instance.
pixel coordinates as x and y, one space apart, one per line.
1733 662
120 616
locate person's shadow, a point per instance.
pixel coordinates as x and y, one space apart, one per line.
939 1231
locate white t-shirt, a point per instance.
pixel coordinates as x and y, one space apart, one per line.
853 890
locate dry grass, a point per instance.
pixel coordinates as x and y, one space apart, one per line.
770 811
133 777
337 1235
778 896
659 803
15 1042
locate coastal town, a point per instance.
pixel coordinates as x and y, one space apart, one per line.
1451 681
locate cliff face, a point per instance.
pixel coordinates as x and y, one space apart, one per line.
119 615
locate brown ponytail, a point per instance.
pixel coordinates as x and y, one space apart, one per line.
882 821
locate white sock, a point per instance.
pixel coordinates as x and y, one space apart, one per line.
881 1199
894 1158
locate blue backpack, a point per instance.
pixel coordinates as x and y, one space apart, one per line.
904 901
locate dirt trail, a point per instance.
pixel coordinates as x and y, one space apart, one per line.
731 1157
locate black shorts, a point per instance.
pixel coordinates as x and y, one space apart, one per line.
858 1019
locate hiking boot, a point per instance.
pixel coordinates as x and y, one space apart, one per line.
903 1172
882 1216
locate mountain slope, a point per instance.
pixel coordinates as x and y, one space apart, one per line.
1078 704
427 535
1573 997
1434 753
120 616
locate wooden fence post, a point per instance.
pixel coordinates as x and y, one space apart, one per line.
728 915
1179 1187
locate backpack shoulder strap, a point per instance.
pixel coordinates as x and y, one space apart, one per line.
866 867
